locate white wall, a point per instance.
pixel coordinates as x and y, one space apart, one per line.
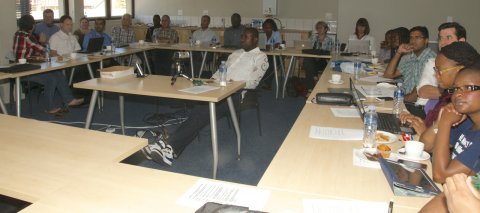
9 26
387 14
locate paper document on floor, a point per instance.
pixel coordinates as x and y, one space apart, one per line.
330 133
198 89
225 193
339 206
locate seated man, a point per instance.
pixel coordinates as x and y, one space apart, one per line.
156 25
206 36
64 42
247 64
123 35
25 46
47 28
409 61
232 34
427 88
96 33
162 59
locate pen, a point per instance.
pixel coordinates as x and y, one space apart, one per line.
390 206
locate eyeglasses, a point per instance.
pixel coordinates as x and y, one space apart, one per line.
465 88
440 72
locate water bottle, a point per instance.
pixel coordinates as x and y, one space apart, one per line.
398 100
356 68
47 53
192 43
223 74
113 46
370 123
214 42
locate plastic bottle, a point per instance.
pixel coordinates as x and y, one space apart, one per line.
370 123
214 42
223 74
47 53
113 46
356 68
398 100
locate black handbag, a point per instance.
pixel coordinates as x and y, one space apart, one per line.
316 52
334 99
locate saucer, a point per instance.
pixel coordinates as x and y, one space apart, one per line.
425 156
332 82
385 137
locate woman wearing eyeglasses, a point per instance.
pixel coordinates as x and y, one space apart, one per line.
449 61
459 129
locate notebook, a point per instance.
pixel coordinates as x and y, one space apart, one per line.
359 46
94 45
302 44
386 121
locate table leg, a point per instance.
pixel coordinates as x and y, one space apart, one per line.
70 80
17 94
122 112
191 63
130 59
204 56
292 61
231 106
90 71
276 76
2 106
213 127
93 100
146 62
100 101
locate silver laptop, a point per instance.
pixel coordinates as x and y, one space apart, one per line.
359 46
302 44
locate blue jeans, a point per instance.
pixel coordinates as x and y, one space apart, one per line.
53 81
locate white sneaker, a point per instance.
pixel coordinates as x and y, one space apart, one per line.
147 150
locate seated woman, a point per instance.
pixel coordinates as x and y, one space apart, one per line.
386 47
449 61
273 41
315 66
362 30
25 46
459 129
83 30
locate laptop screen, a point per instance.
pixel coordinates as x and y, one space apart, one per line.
359 46
356 97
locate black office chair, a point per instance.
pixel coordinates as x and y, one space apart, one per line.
249 104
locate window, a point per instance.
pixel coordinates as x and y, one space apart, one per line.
36 7
105 8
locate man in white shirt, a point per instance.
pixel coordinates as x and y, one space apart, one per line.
205 37
448 33
64 42
248 64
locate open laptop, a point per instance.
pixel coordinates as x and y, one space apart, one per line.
94 45
302 44
262 41
386 121
359 46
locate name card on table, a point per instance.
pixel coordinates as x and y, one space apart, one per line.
330 133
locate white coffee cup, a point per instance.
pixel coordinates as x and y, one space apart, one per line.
282 46
73 55
108 48
414 148
373 53
22 61
336 78
374 60
141 42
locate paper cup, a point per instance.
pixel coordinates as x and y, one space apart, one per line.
336 78
22 61
414 148
141 42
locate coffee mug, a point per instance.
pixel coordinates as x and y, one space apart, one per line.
414 148
73 55
141 42
374 60
22 61
336 78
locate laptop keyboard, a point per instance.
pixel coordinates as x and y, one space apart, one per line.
389 123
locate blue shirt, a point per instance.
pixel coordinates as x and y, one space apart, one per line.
43 28
466 145
274 39
94 34
411 68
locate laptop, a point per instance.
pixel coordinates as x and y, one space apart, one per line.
262 40
94 45
359 46
386 121
302 44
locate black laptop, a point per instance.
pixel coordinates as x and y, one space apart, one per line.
386 121
94 45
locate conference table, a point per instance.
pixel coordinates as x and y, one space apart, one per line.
39 157
325 167
160 86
